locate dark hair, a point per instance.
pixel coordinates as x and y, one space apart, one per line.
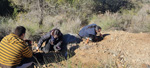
56 32
97 28
20 30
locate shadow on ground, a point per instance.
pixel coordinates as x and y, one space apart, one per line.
104 35
98 38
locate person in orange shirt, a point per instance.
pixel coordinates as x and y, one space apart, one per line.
14 50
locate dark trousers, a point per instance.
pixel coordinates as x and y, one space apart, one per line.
25 60
48 47
4 66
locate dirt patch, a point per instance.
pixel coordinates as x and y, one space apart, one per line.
119 49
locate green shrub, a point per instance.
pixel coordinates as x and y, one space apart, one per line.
106 21
6 9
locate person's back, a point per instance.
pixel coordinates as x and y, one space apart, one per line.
87 30
90 32
12 50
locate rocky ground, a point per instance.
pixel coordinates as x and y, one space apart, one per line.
118 50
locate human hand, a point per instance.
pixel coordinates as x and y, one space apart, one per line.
101 35
87 40
28 42
58 48
35 48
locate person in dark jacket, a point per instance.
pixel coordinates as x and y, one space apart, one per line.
53 41
91 32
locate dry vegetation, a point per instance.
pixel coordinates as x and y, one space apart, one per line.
40 16
70 15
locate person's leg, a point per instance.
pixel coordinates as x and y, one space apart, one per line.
47 47
4 66
26 62
26 65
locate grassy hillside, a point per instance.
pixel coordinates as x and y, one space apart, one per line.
40 16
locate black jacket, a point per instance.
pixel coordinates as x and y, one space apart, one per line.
49 38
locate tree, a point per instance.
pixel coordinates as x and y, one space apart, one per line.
5 8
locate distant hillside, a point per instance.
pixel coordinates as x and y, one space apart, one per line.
40 16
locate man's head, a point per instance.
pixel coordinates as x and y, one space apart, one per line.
98 29
56 33
20 31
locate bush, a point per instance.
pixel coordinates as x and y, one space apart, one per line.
3 29
55 13
106 21
5 7
112 5
134 20
70 15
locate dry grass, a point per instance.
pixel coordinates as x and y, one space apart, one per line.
135 20
70 17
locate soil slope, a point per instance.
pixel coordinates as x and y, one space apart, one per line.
119 49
